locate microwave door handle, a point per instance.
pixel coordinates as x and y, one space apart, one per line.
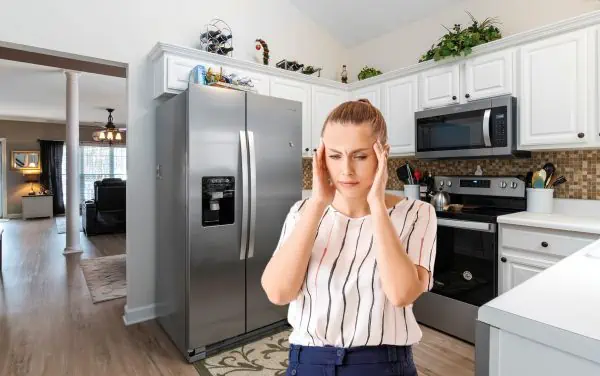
486 128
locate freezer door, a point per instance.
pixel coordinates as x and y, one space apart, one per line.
275 150
217 265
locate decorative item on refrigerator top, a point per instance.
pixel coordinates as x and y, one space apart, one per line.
295 66
217 38
262 45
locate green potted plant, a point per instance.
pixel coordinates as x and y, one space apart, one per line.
368 72
460 42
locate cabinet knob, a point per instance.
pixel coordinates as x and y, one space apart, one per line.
467 95
544 244
581 135
454 97
315 150
307 149
503 259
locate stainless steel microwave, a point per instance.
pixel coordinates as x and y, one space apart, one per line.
479 129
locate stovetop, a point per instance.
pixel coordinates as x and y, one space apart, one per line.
481 198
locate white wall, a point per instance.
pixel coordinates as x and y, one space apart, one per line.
404 46
126 31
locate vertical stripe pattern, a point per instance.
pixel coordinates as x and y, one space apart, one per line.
341 302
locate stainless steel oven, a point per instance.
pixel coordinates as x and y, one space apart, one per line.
484 128
466 263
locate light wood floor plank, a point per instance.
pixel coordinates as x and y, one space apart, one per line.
49 325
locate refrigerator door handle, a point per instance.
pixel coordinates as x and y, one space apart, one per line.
252 193
244 152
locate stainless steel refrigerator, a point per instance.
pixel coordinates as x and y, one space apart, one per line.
228 169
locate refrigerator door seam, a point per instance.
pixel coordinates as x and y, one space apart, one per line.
244 152
252 193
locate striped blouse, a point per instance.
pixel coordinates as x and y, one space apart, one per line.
342 302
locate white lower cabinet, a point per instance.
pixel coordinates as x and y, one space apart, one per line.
372 93
525 251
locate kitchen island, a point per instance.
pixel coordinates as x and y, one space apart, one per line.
548 325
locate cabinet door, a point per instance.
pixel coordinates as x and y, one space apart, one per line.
488 75
440 86
515 270
400 103
296 91
372 93
324 100
554 96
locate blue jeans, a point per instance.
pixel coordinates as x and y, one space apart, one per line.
354 361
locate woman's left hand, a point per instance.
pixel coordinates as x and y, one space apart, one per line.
376 195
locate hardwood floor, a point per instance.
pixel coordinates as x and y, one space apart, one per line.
49 325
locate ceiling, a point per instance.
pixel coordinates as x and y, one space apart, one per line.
354 22
38 93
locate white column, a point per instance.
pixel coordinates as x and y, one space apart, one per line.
72 204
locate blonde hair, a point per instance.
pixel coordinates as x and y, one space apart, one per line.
359 112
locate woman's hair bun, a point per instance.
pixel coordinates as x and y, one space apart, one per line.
364 100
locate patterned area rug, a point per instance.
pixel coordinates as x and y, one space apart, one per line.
265 357
105 277
61 224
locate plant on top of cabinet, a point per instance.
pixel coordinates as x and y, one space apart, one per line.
460 41
368 72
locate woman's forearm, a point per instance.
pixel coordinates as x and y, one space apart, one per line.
399 276
283 277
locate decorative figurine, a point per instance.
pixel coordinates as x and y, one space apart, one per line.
262 44
344 74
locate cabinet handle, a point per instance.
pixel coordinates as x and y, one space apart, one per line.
454 97
503 259
544 244
581 135
467 95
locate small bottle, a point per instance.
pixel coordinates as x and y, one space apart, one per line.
344 74
478 171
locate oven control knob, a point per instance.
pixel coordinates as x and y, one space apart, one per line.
441 183
502 184
449 183
514 185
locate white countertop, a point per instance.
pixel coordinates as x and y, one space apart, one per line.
568 214
559 307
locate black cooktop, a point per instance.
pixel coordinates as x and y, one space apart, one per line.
481 214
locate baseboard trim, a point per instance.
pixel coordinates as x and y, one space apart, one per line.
138 315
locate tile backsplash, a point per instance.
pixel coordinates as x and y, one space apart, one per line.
581 168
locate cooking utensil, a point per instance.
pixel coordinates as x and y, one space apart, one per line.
402 173
440 200
539 179
418 175
560 180
410 174
550 169
529 179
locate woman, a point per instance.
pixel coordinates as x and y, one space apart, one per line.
352 259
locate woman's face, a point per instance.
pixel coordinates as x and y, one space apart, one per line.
350 158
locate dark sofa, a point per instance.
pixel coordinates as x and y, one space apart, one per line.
105 214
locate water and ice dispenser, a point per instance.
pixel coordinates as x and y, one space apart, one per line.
218 200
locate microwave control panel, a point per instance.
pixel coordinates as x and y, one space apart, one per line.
500 136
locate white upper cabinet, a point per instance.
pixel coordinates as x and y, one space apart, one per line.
556 92
400 101
488 75
324 100
296 91
440 86
372 93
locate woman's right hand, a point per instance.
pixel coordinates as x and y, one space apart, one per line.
322 191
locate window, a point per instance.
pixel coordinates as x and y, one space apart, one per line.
96 162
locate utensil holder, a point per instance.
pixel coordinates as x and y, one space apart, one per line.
540 200
412 191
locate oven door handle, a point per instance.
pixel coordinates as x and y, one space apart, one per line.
486 128
467 225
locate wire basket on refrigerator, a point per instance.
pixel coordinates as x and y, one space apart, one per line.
217 38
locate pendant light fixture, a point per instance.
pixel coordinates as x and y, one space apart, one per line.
110 134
